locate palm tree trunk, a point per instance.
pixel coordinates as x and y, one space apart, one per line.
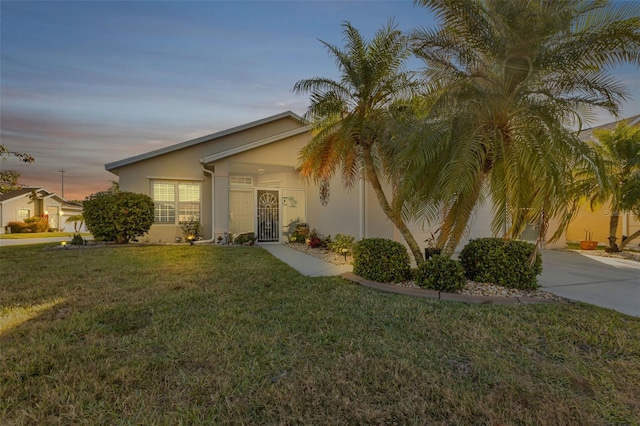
456 219
394 216
613 229
628 240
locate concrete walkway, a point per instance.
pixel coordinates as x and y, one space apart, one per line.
305 264
602 281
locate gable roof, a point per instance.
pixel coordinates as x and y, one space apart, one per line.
587 134
131 160
16 193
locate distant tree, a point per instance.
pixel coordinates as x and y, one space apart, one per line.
619 151
9 178
118 216
115 186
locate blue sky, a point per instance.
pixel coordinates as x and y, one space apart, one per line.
88 83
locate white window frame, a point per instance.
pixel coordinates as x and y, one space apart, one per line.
176 204
19 210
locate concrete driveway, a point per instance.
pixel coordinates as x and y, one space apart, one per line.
602 281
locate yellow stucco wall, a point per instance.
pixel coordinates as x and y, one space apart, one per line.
597 221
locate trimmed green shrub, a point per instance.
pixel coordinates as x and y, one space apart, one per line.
77 240
17 227
502 262
30 225
341 241
245 239
118 216
441 273
36 224
381 260
191 229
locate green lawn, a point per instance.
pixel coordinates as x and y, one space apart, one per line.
229 335
26 235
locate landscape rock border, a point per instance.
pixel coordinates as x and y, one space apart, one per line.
440 295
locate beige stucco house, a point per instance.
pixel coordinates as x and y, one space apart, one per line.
244 179
20 204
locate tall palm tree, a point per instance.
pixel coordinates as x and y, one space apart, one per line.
619 150
351 116
505 79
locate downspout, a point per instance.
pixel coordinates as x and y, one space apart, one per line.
213 205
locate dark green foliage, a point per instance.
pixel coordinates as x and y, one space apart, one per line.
381 260
77 240
340 242
502 262
245 239
441 273
192 229
118 216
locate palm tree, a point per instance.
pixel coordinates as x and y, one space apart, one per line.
351 116
77 220
619 150
505 79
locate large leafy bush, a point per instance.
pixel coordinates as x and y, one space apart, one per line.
502 262
441 273
118 215
381 260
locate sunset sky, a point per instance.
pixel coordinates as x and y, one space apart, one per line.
88 83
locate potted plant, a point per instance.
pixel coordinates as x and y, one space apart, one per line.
431 249
588 243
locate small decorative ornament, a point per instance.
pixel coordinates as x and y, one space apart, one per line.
324 192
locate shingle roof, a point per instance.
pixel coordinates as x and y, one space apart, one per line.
588 133
117 164
16 193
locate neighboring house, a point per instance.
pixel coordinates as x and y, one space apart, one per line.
245 179
597 221
20 204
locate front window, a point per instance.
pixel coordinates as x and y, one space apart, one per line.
23 213
164 197
170 197
189 202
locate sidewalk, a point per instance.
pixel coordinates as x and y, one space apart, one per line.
305 264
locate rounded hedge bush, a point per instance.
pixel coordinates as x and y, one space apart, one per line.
381 260
502 262
118 216
441 273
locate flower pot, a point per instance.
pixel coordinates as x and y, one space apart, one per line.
588 245
429 252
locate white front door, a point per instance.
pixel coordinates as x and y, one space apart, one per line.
240 211
53 216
